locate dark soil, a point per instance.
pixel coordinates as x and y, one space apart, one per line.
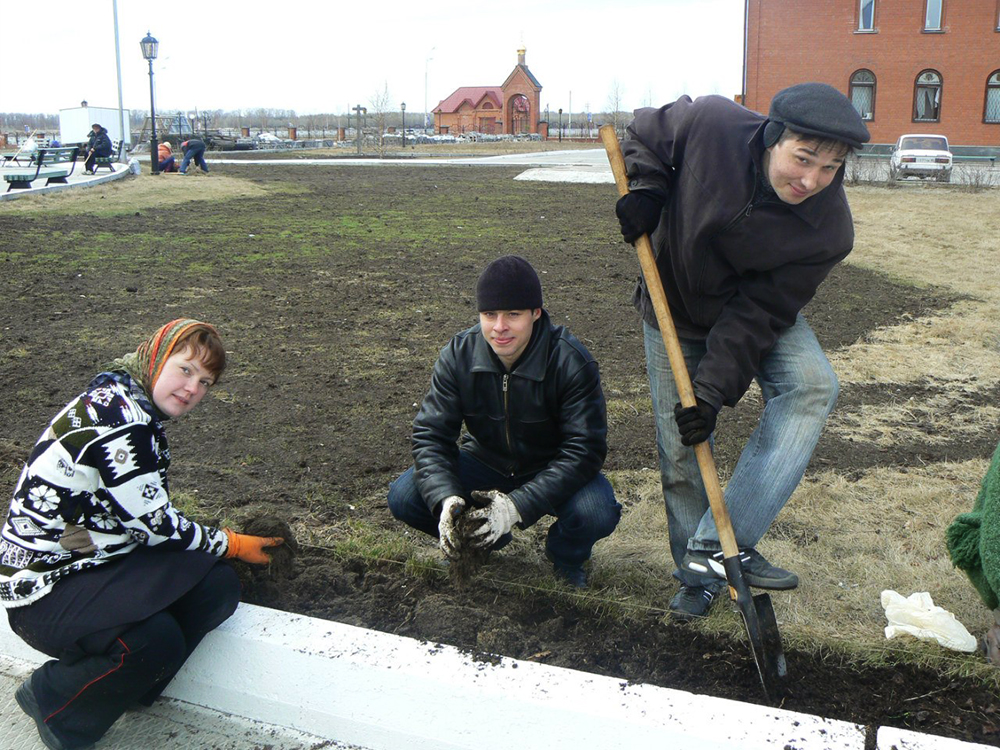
468 559
334 298
268 582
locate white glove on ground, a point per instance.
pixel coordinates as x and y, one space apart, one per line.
451 509
497 518
917 615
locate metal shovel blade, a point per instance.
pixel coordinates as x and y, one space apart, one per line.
762 631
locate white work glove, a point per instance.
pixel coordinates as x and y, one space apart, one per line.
496 519
451 509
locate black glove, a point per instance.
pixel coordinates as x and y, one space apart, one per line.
695 423
639 214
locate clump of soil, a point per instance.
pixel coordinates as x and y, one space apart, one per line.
469 559
264 582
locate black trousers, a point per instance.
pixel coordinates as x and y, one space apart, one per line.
94 678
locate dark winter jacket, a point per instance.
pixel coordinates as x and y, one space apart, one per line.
194 144
99 143
548 416
736 272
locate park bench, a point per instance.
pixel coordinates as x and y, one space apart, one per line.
26 158
109 161
20 158
54 164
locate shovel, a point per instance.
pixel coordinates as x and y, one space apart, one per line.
757 611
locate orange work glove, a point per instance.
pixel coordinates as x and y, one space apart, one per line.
251 548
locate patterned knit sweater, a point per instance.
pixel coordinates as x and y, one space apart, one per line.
94 488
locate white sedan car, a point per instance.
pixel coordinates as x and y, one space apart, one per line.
916 155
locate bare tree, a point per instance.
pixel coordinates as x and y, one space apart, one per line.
379 108
615 107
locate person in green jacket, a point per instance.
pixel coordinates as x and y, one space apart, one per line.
974 545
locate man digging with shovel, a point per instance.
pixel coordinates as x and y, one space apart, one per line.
529 394
747 215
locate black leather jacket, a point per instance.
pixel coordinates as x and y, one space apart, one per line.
546 418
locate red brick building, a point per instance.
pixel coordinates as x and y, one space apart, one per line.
909 66
512 107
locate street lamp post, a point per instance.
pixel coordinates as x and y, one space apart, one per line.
149 49
560 124
403 108
427 62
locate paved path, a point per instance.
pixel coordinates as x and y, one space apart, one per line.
585 165
168 725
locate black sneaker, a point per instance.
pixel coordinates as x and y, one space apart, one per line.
690 603
25 697
757 571
574 575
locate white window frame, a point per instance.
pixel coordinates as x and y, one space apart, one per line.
870 85
919 87
992 86
933 8
861 15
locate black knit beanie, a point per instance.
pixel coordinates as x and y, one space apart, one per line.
815 109
508 283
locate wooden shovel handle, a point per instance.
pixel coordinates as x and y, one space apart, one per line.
650 272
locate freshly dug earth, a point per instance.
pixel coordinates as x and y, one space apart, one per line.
463 566
267 581
335 290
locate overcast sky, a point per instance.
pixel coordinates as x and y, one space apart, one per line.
328 55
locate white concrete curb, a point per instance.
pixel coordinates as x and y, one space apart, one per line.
386 692
120 170
890 738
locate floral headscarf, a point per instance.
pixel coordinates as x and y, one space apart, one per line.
146 362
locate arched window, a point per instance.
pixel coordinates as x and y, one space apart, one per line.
927 97
992 111
863 93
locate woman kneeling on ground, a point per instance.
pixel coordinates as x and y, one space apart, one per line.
97 568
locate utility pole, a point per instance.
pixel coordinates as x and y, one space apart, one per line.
427 63
359 110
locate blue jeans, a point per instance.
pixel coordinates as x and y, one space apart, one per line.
198 155
591 514
800 390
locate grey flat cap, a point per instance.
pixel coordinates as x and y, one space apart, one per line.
815 109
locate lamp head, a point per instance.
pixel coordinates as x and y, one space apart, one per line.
149 46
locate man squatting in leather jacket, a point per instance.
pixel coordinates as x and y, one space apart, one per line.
529 394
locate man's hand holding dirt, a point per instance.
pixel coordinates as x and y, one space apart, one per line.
451 509
638 214
695 423
496 518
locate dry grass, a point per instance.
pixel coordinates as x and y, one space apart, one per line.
135 193
921 237
851 539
